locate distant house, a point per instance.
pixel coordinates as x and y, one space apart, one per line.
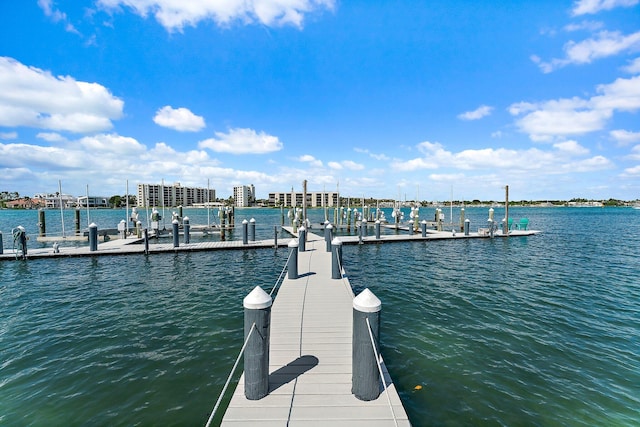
26 203
93 201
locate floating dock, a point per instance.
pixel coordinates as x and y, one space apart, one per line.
310 357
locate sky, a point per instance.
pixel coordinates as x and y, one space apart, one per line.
396 99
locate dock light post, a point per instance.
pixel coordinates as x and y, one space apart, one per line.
257 311
93 237
328 235
365 380
187 229
292 266
336 258
175 224
252 229
245 225
423 224
377 229
302 238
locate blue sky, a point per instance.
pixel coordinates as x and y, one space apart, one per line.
389 99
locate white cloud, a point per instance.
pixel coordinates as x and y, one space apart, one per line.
605 44
180 119
584 7
242 141
112 143
478 113
575 116
584 25
306 158
51 137
56 15
346 164
571 147
625 137
8 135
34 98
175 15
635 153
372 155
633 67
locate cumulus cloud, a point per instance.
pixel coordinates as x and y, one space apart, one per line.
307 158
180 119
435 156
478 113
625 137
242 141
56 15
575 116
8 135
604 44
633 67
590 7
346 164
32 97
175 15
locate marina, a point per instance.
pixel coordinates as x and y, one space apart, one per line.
529 329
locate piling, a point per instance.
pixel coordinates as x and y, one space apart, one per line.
302 237
365 231
467 223
1 244
245 226
336 258
423 224
139 229
122 225
292 265
328 235
42 223
176 233
365 382
275 236
257 311
146 241
462 219
252 229
378 229
93 237
187 229
76 221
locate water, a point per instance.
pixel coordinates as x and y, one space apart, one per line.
540 330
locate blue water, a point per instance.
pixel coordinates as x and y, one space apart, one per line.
539 330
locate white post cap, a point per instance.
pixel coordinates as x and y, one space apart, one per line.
252 220
257 299
293 243
93 225
336 242
186 218
175 221
367 302
244 221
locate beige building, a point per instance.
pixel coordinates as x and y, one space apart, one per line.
173 195
315 199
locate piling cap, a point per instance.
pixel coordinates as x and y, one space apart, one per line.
329 226
293 243
367 302
93 225
186 218
467 220
175 221
257 299
424 221
377 221
252 220
336 242
244 221
301 229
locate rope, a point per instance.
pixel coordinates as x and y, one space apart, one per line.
384 383
286 264
347 286
235 365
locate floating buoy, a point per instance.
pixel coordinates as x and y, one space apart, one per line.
418 387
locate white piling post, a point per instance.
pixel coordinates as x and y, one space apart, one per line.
93 237
257 310
292 266
378 229
365 380
328 235
423 224
302 238
187 229
252 229
245 237
336 258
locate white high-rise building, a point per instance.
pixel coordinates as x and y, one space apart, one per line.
244 195
173 195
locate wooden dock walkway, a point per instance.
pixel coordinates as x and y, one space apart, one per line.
310 357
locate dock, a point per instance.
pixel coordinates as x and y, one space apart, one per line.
310 357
